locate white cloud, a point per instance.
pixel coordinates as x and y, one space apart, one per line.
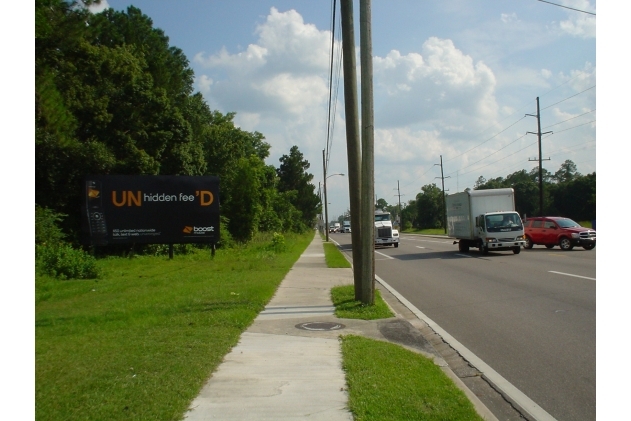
284 72
442 84
579 24
98 8
508 17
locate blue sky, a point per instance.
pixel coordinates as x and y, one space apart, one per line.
452 78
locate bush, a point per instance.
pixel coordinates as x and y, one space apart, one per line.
278 243
65 262
46 229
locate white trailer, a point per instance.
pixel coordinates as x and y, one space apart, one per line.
485 219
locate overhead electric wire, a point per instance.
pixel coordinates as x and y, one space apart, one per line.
552 105
328 119
560 122
335 96
566 7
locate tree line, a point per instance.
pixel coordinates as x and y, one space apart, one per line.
566 193
113 97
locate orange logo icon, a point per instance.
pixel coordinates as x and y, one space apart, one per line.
188 230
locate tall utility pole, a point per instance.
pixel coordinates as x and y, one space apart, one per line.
368 160
353 144
442 177
540 159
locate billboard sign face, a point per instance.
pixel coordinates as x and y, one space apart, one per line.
148 209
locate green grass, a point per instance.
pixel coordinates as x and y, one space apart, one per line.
139 343
346 307
334 257
389 383
429 231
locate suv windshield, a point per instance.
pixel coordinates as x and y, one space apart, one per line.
503 222
567 223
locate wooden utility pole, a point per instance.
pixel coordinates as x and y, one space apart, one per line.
368 167
540 166
442 177
326 207
353 145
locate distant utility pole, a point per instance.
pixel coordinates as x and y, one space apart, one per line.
326 209
400 213
442 177
538 115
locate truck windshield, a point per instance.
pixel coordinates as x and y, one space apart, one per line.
382 217
503 222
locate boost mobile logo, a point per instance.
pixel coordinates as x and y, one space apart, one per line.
197 230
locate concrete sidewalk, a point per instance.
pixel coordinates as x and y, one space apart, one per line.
288 364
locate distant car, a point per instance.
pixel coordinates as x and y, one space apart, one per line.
553 231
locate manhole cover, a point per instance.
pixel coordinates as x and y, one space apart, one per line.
320 326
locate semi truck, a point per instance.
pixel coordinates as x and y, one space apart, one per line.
347 226
384 233
485 219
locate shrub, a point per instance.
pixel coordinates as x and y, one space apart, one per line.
46 229
65 262
278 243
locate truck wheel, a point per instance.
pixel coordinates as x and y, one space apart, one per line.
516 250
528 244
484 250
589 246
396 245
462 247
565 244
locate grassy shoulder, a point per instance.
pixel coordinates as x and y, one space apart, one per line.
388 382
346 307
334 258
140 342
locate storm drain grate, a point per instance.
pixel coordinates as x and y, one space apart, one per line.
320 326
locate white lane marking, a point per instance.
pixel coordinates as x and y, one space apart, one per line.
500 382
389 257
569 274
419 247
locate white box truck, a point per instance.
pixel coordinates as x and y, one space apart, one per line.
485 219
347 226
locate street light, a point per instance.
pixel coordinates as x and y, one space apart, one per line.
326 207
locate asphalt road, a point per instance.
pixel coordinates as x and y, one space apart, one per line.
531 316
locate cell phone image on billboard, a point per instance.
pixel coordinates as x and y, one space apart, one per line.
96 214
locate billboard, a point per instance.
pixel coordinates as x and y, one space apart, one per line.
121 209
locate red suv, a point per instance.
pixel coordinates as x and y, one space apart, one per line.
553 231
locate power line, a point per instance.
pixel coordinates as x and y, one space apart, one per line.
585 90
566 7
328 119
580 115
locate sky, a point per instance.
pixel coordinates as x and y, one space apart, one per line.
452 79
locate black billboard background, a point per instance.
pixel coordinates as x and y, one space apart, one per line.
119 209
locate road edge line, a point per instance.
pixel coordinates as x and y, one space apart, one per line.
527 404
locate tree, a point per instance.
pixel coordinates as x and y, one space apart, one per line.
429 204
293 176
566 173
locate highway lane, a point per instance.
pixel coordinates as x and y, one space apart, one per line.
531 316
